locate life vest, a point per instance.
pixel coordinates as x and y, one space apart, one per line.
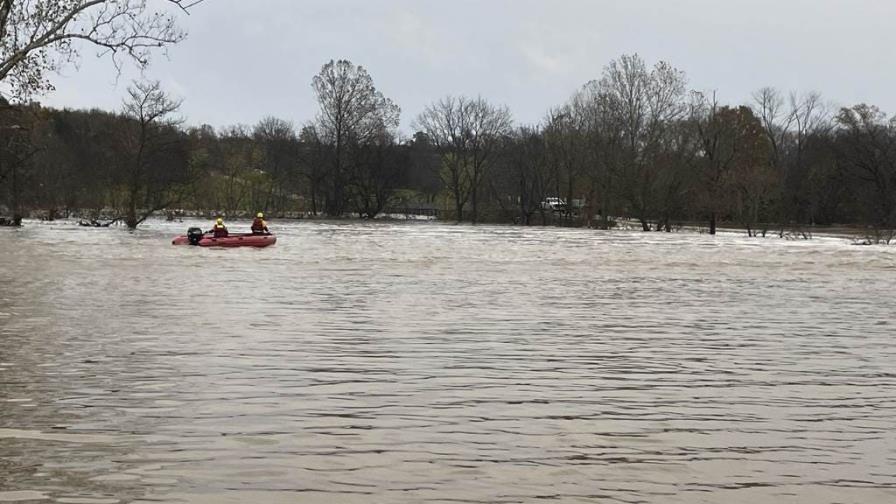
219 231
259 226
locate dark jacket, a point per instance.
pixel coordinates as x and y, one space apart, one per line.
220 231
259 226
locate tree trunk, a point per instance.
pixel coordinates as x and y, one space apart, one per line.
712 223
523 201
666 225
475 205
567 211
605 203
131 219
16 215
589 208
335 204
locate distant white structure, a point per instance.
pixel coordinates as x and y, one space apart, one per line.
553 204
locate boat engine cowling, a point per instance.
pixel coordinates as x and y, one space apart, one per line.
194 234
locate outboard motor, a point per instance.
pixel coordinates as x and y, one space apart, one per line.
194 234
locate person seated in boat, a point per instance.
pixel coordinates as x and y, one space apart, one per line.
259 226
219 230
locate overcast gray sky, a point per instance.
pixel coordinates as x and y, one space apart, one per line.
244 60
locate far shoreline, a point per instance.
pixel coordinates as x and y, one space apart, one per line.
854 233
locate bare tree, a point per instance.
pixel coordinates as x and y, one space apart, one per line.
16 150
769 108
808 114
379 166
312 159
423 170
352 112
642 103
277 141
718 151
525 174
564 134
237 156
38 37
443 124
155 162
603 149
466 132
791 125
867 148
732 148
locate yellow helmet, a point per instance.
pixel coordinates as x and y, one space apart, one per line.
260 215
219 221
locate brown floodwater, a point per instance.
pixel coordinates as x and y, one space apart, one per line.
363 363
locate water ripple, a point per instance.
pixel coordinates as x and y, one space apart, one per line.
435 363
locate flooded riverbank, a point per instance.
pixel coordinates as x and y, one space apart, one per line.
390 362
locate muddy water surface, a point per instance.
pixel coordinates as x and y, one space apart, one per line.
434 363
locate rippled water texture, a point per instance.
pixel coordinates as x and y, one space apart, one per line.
436 363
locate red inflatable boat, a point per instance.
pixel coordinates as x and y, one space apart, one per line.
234 240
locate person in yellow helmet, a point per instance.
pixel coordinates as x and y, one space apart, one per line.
259 226
219 230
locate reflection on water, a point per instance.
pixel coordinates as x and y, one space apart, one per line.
433 363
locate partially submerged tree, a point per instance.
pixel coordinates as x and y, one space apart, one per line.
379 166
866 145
640 104
466 132
732 146
603 147
565 150
154 168
793 125
16 151
312 162
352 113
279 154
236 156
524 174
423 170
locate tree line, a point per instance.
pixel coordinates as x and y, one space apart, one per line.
635 144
